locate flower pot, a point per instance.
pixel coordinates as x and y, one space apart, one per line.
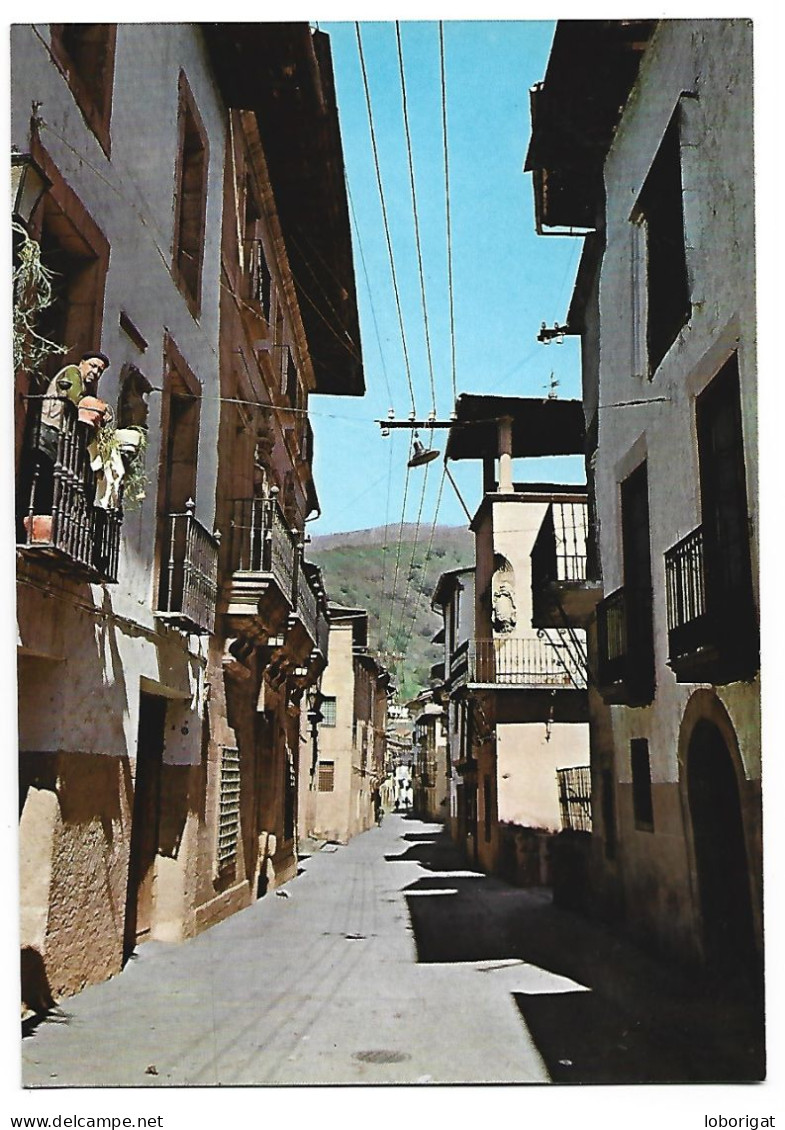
92 410
38 528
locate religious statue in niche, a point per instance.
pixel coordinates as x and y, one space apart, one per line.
504 614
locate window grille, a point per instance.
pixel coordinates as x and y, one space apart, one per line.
326 776
328 710
229 806
575 798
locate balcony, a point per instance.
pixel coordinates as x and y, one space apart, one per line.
57 519
625 647
562 594
189 575
712 625
306 601
264 551
525 662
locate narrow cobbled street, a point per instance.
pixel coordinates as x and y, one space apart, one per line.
387 961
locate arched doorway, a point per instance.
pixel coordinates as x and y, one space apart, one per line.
720 852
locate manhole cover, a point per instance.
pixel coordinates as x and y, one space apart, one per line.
381 1056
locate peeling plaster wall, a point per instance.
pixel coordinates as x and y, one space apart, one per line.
711 61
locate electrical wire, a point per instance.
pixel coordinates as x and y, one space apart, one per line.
428 553
448 211
410 570
384 215
370 292
418 242
398 555
384 543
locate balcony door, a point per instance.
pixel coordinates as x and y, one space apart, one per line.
145 821
636 556
723 489
177 480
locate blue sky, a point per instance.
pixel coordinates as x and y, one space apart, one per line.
506 279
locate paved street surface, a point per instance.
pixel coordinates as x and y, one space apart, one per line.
390 962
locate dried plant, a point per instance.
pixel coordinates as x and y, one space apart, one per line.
32 293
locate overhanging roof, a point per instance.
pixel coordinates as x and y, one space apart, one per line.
575 110
283 72
539 426
446 585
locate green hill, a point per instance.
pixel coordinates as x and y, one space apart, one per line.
364 568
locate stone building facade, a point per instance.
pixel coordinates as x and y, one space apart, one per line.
665 306
166 651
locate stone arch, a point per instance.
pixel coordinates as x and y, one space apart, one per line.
719 841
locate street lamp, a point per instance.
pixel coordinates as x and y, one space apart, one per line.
28 185
421 454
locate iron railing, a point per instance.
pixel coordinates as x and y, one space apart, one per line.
685 587
263 543
189 576
322 633
559 552
712 621
56 513
625 646
575 798
516 661
306 602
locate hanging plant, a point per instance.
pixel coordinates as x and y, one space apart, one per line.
130 445
32 293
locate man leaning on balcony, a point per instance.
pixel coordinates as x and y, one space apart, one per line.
74 383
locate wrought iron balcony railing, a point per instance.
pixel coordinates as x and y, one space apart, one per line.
263 544
521 662
306 600
322 632
57 518
625 647
686 594
575 798
712 624
188 587
562 591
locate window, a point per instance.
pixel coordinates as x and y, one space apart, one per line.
228 806
660 215
190 199
85 55
328 710
641 785
258 277
636 552
326 776
723 487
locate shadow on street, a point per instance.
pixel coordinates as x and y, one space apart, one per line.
641 1021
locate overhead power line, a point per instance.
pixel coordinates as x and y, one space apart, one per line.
448 212
416 217
384 214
